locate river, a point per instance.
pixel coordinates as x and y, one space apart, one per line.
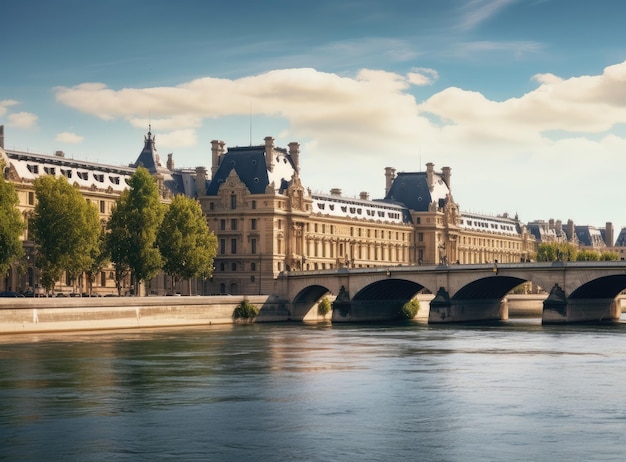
515 391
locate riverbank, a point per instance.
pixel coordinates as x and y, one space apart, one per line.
31 315
28 315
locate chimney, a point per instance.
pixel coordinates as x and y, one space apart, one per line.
269 153
201 181
170 162
364 196
570 231
446 172
294 153
390 174
335 192
430 169
2 136
558 226
217 150
609 234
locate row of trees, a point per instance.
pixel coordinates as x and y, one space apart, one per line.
565 251
141 238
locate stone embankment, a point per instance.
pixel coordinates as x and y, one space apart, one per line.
27 315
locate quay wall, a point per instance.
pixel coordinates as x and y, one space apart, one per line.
28 315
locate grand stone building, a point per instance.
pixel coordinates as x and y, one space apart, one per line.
100 184
267 221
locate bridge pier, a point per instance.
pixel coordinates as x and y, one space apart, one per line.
558 309
443 309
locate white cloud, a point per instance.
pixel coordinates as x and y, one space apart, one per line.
421 76
475 12
351 128
5 105
70 138
178 139
22 120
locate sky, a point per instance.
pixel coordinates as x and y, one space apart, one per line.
525 100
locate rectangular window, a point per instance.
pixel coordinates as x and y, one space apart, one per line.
253 246
223 246
254 204
102 206
222 224
233 246
253 223
420 237
233 224
31 198
233 201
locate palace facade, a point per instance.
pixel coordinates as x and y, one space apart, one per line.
267 222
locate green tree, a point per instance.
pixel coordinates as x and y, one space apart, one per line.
409 309
133 228
187 245
246 311
11 225
65 228
588 255
324 307
556 251
609 256
99 258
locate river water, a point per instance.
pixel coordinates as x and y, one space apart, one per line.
516 391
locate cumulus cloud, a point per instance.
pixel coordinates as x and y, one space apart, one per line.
70 138
5 105
22 120
178 139
422 76
373 119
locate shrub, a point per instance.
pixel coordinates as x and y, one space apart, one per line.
245 310
409 309
323 307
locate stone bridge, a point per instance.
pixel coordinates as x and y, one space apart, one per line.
578 291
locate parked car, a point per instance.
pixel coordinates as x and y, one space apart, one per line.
8 293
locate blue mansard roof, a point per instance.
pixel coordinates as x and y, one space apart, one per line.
411 189
250 165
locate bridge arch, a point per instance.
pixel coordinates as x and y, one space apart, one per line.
602 287
400 289
307 299
488 288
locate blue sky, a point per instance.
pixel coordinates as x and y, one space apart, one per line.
524 100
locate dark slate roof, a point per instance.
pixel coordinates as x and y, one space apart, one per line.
249 164
411 190
149 157
621 238
589 236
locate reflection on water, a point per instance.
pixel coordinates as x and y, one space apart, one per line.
512 391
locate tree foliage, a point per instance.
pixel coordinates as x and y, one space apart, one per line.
65 228
609 256
409 309
323 307
246 311
588 255
133 228
11 225
556 251
186 244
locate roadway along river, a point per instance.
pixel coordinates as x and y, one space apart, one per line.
510 392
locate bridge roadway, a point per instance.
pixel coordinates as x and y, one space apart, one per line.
580 292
